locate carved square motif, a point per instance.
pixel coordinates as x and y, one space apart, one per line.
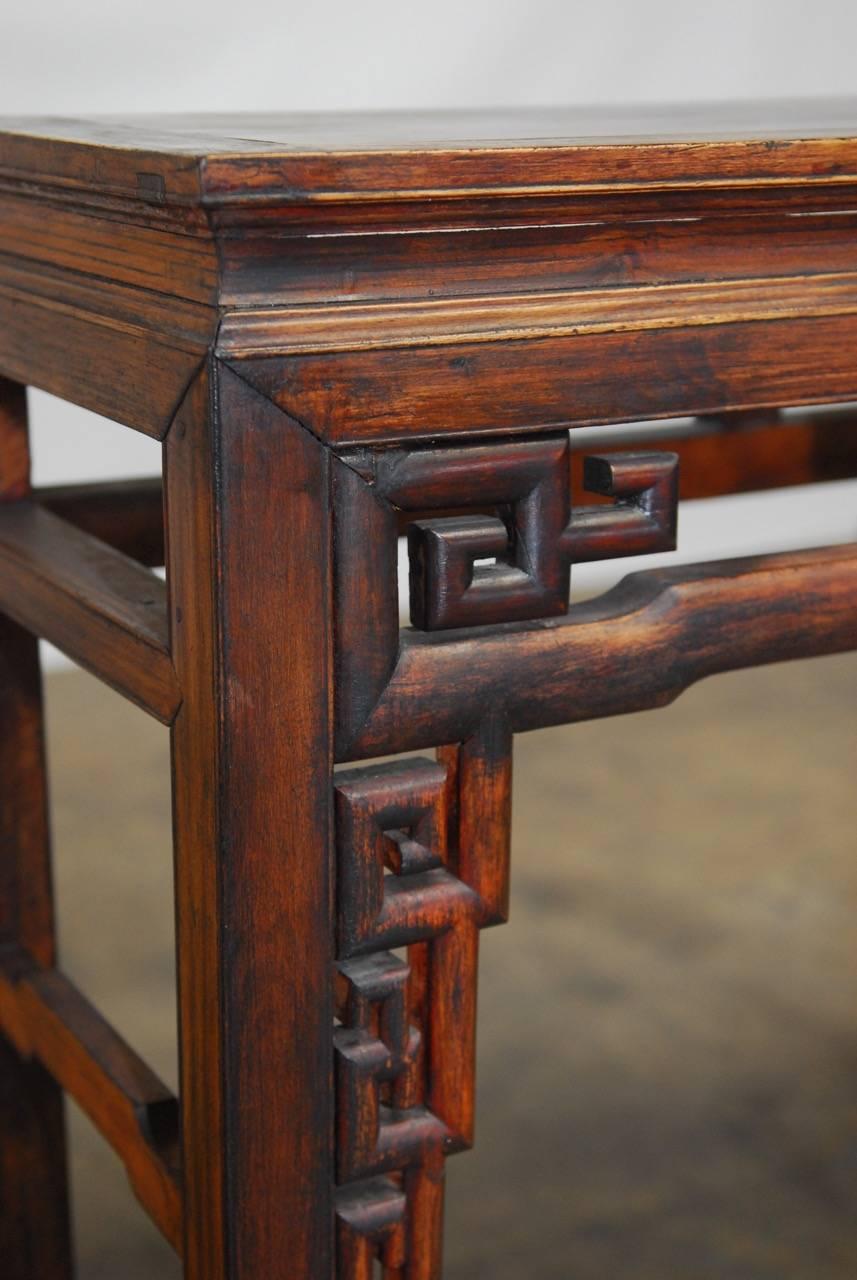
379 1072
389 818
503 566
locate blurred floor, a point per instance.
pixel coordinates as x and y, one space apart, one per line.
668 1039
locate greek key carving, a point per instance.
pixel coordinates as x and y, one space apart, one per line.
492 539
413 872
423 845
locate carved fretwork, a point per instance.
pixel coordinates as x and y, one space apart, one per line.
422 850
528 484
468 570
492 537
423 845
643 518
370 1225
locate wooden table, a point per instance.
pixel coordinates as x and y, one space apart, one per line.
344 329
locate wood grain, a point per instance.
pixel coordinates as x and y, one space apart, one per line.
739 452
414 871
637 647
345 327
101 608
50 1020
443 153
97 344
196 765
252 757
35 1235
126 514
735 453
421 394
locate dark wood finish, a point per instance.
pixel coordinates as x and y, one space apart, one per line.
469 570
95 604
743 453
529 575
35 1235
15 437
412 875
737 453
248 157
345 329
126 514
252 756
49 1020
643 518
426 391
637 647
530 537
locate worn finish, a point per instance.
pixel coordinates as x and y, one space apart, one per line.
48 1020
347 330
126 514
411 874
34 1222
101 608
252 831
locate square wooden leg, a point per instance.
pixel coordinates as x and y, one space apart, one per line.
249 573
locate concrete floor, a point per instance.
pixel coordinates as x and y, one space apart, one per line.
668 1040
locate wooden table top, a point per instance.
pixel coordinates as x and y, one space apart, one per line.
371 155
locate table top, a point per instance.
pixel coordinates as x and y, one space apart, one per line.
372 155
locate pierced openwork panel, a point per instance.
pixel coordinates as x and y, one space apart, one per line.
423 845
491 537
418 869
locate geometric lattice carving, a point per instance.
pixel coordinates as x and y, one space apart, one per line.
422 845
405 1046
370 1224
528 575
469 570
492 540
379 1072
641 520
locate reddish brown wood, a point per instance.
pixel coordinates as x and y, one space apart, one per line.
180 277
643 518
481 774
248 511
96 343
621 241
191 559
583 379
15 439
49 1020
370 1222
362 156
745 453
98 606
717 456
126 514
35 1238
405 1057
617 654
732 453
528 576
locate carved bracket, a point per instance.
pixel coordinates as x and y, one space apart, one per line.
491 539
472 570
642 520
414 859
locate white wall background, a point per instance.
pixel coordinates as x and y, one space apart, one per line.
170 55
